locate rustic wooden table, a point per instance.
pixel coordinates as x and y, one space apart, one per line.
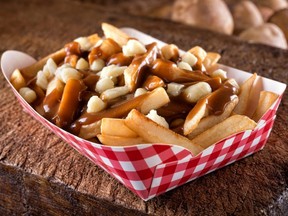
41 174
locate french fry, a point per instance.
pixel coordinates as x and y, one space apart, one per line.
229 126
199 52
69 102
115 33
72 60
210 121
31 71
155 133
194 116
244 95
107 48
91 130
17 80
265 102
134 73
214 102
154 101
170 52
169 72
211 59
120 141
93 39
116 127
153 82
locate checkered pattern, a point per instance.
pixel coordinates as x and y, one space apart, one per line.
152 169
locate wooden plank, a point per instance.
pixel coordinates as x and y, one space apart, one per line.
34 161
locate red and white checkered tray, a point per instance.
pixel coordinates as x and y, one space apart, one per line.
152 169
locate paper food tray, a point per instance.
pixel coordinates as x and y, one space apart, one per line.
152 169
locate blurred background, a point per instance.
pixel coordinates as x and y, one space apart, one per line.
261 21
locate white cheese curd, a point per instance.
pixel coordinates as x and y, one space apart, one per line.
95 104
104 84
194 92
139 91
189 58
41 80
112 93
174 89
184 65
157 119
70 73
97 65
82 64
28 94
84 43
133 47
219 73
112 71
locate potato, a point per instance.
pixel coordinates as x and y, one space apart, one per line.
266 12
267 33
246 15
273 4
280 18
208 14
162 12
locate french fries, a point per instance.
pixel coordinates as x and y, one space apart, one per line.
245 93
103 88
212 120
116 34
119 140
91 130
116 127
216 101
69 102
265 102
155 133
17 80
211 59
195 116
229 126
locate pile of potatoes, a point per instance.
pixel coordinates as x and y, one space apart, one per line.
260 21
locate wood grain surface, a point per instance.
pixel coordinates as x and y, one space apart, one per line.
41 174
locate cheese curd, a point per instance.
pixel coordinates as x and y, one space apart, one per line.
139 91
194 92
174 89
84 43
28 94
133 47
97 65
219 73
184 65
189 58
82 64
112 71
67 73
42 80
157 119
50 68
112 93
95 104
104 84
199 52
